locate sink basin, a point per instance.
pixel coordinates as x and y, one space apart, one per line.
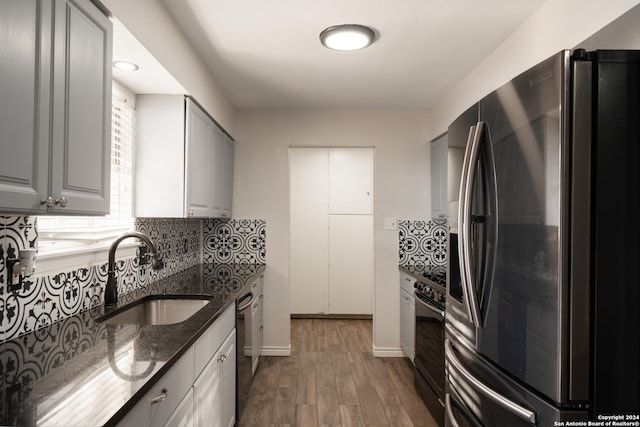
154 310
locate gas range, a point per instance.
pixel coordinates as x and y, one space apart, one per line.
433 285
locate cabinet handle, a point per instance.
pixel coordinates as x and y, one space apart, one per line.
62 201
162 396
49 201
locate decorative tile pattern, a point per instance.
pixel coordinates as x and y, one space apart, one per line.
46 299
422 244
234 241
177 240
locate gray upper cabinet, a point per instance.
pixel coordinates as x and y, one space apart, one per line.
55 132
223 179
439 196
200 155
184 161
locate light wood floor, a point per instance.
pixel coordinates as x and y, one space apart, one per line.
332 379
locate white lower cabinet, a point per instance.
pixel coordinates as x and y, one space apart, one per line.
228 381
200 388
183 415
407 324
257 328
407 315
155 408
215 389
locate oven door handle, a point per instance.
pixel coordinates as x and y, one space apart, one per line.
490 393
430 307
241 307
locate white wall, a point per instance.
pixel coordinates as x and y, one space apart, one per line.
557 25
261 190
150 23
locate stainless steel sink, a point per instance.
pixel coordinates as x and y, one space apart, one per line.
156 310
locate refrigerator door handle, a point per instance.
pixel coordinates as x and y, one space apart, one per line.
473 151
505 403
447 406
464 274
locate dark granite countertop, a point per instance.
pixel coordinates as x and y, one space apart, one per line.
80 372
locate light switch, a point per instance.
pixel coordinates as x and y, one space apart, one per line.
390 224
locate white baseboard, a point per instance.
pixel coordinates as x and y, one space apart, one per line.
276 351
387 352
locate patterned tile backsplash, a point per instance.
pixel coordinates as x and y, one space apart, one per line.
235 241
182 243
422 244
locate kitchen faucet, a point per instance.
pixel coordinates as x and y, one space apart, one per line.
111 290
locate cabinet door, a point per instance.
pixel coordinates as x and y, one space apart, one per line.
81 116
350 264
309 230
207 394
155 408
160 156
215 388
200 140
407 324
439 202
350 181
227 194
24 88
183 415
228 380
223 179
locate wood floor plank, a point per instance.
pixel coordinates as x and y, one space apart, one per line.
257 415
398 416
351 416
328 408
332 379
368 397
347 394
307 387
306 415
284 407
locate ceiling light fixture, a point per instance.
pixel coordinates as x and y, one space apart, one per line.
347 37
124 65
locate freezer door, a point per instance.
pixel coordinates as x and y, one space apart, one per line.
477 394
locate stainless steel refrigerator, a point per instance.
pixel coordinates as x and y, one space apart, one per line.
542 311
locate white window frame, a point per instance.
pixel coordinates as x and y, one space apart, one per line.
66 242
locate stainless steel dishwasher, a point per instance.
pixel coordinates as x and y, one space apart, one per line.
244 374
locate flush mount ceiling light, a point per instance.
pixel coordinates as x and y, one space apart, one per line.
347 37
124 65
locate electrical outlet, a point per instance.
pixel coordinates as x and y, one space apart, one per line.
390 224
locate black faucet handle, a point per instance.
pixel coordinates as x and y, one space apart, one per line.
156 262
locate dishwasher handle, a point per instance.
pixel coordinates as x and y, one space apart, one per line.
243 307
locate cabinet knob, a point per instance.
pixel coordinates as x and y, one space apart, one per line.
49 201
222 358
190 213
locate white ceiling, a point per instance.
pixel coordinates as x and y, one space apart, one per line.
267 54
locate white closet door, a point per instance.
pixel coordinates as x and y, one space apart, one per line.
351 181
309 229
351 264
